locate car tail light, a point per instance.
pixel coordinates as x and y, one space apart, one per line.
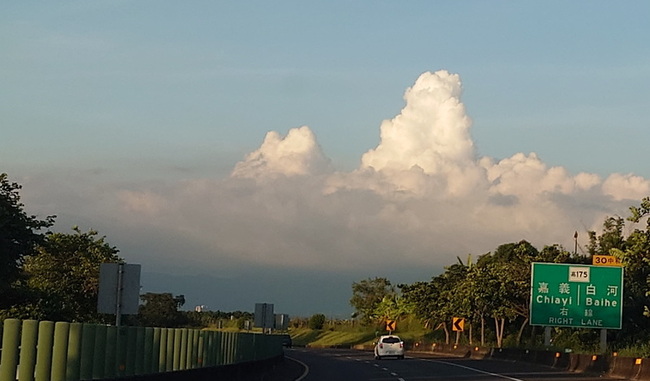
401 344
381 345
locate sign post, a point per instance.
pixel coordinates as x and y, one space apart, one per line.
580 296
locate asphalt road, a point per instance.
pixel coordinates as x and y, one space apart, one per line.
303 364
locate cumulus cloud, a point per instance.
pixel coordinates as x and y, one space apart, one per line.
431 132
420 198
422 193
295 155
625 187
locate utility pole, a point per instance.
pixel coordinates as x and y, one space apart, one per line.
575 239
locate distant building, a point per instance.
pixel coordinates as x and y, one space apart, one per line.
200 308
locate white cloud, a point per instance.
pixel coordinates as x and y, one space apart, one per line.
419 199
431 132
626 187
295 155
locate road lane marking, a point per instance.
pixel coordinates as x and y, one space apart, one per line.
476 370
305 373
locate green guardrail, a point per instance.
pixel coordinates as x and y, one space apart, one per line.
49 351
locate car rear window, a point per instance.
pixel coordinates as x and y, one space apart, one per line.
390 340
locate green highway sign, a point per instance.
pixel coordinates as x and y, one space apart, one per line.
572 295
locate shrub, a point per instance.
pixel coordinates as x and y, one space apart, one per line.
317 321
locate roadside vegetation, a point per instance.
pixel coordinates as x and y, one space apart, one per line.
492 295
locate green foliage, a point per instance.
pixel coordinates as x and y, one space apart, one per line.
393 307
210 319
368 294
18 238
63 275
438 301
342 335
317 321
611 238
498 288
161 310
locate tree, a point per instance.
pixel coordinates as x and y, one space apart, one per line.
480 287
634 253
611 238
393 307
423 297
18 238
64 275
436 302
367 294
161 310
317 321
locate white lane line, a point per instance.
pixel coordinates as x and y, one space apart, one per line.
476 370
305 373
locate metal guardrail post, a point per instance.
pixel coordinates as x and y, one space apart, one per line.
111 364
177 349
182 362
191 349
192 354
155 350
201 354
10 344
44 351
213 348
73 363
131 352
231 345
169 358
147 349
28 342
162 352
60 351
122 342
139 351
216 350
221 347
87 348
99 352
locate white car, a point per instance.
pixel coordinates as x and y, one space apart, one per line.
389 345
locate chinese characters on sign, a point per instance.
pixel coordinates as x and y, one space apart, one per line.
576 296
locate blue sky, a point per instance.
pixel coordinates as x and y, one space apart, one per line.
106 97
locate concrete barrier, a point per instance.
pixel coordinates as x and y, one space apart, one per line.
453 349
585 363
623 367
643 372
